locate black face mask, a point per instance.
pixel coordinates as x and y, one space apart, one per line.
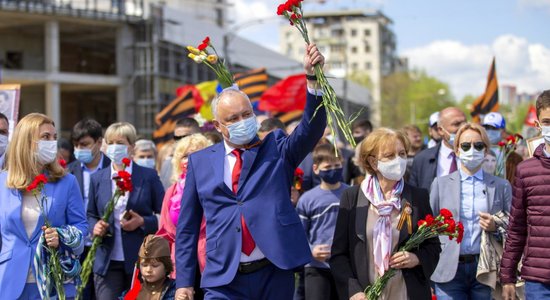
358 139
331 176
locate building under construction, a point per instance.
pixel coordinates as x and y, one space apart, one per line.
122 60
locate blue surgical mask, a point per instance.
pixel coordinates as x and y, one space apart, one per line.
146 162
472 158
84 155
494 136
331 176
242 132
3 144
47 152
452 137
546 133
117 152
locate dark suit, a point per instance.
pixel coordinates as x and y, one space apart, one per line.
145 199
262 199
75 168
349 260
424 168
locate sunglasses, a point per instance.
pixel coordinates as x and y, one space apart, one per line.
177 138
477 145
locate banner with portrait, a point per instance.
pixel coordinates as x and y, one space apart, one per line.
9 103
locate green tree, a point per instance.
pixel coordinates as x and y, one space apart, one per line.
411 97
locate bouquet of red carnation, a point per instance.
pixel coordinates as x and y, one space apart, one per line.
298 178
292 10
53 265
430 227
123 181
200 55
506 148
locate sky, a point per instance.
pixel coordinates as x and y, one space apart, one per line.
453 41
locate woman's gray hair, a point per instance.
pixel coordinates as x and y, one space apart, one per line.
230 91
145 145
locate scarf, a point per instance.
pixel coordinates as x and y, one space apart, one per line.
382 244
175 200
70 238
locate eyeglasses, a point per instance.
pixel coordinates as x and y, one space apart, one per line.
477 145
177 138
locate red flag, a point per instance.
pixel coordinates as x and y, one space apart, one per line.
135 287
286 95
531 116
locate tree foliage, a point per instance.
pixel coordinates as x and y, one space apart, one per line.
411 97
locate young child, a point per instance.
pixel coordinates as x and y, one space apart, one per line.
155 266
318 209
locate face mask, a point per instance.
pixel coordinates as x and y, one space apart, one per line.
358 139
472 158
84 155
546 133
3 144
117 152
489 165
242 132
393 169
331 176
494 136
146 162
47 151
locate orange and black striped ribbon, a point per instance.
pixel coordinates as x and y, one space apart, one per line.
253 83
488 102
181 107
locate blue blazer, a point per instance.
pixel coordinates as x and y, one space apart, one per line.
263 198
65 208
145 199
424 168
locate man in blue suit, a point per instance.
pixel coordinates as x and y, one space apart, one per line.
254 238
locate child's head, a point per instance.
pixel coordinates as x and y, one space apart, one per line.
154 259
326 164
543 108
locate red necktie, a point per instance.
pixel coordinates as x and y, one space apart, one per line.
453 163
248 242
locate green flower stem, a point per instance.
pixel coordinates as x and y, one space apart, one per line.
88 264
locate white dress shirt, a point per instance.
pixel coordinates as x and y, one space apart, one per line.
118 250
228 165
444 160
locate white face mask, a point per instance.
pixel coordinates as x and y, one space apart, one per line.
3 144
472 158
393 169
47 151
116 152
146 162
546 133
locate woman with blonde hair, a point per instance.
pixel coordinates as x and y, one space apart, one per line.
172 198
481 202
33 151
367 234
134 215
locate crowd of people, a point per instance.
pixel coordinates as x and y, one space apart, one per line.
268 211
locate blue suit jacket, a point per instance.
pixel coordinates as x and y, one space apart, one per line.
145 199
263 198
65 208
424 168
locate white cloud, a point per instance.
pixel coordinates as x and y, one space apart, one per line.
465 67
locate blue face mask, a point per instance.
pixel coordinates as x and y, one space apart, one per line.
452 137
146 162
546 133
242 132
494 136
331 176
117 152
84 155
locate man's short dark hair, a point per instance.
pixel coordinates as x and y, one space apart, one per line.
270 124
364 124
543 102
189 123
3 116
86 127
325 153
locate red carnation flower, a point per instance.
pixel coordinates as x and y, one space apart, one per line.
63 163
202 46
126 161
451 226
447 214
281 9
429 219
206 40
421 222
501 144
460 228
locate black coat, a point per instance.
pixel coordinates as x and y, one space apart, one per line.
424 168
349 261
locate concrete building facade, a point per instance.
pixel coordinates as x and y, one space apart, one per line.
353 41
